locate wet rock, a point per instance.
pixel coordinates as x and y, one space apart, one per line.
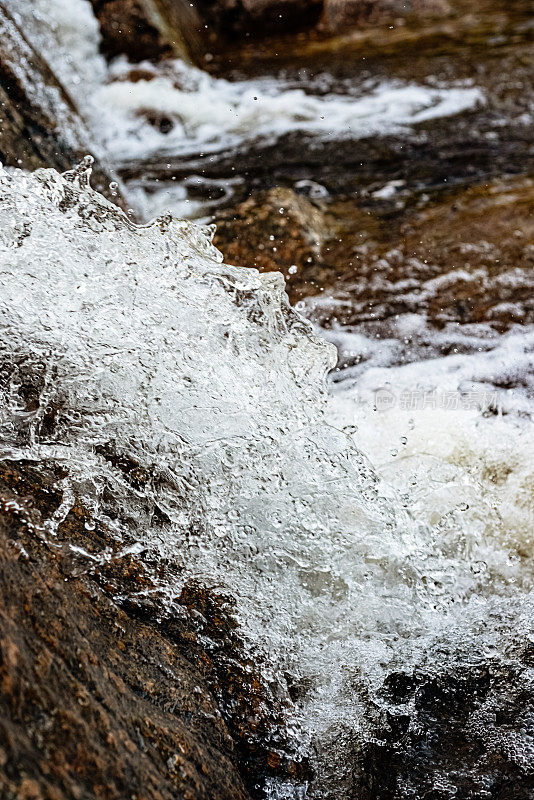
274 230
339 14
463 258
461 732
107 689
39 124
460 258
259 17
464 734
127 28
147 29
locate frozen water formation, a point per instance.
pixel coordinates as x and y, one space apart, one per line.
144 341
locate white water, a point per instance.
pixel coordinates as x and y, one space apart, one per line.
203 374
208 114
212 113
345 566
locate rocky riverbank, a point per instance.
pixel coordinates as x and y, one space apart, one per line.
404 243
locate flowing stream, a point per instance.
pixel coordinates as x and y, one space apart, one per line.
377 527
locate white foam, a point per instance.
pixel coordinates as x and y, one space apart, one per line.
202 373
212 113
66 34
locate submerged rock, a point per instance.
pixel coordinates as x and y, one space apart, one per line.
461 258
466 733
458 259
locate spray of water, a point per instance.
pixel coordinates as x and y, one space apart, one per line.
144 342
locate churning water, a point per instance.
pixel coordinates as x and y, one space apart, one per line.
205 375
363 533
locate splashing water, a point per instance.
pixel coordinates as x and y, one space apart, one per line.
204 114
140 340
202 373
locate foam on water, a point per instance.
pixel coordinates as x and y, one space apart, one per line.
208 114
147 343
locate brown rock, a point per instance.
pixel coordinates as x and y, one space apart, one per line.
96 701
274 230
147 29
340 14
465 258
172 705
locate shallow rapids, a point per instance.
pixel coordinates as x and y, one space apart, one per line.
204 375
374 525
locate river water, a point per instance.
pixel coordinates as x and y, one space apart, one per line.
372 519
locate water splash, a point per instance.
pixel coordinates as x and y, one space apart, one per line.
141 341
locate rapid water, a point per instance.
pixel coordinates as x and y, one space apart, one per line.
378 527
205 115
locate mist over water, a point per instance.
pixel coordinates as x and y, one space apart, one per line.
377 527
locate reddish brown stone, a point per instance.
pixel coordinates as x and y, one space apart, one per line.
95 701
339 14
274 230
104 692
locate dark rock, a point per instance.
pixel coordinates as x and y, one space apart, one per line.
339 14
147 29
259 17
107 691
465 733
126 28
39 124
